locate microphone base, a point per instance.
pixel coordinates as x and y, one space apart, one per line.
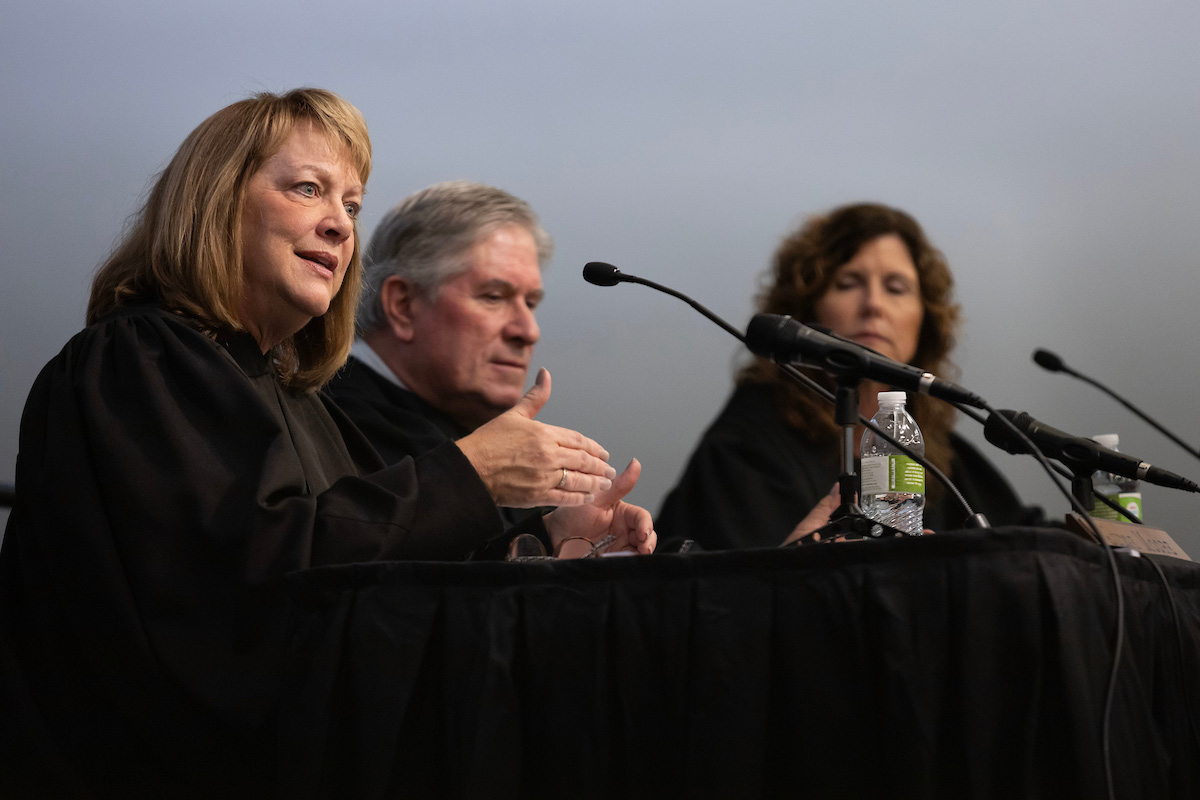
848 523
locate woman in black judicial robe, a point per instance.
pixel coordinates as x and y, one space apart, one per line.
868 273
176 461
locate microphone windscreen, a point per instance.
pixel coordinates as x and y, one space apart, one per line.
1001 435
1047 360
763 334
601 274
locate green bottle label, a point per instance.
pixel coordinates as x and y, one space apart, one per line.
881 474
1130 501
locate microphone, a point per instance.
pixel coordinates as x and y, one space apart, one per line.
1049 361
1078 452
1052 363
600 274
782 338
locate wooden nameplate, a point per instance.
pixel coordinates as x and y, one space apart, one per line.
1142 538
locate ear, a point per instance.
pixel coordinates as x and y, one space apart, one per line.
399 303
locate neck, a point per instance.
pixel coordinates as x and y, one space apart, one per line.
391 351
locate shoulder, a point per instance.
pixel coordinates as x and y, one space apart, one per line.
144 360
397 422
134 343
752 419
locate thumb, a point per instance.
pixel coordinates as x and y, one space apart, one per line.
529 405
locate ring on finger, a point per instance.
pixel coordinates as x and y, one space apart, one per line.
562 482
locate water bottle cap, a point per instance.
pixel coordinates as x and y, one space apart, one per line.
893 398
1109 440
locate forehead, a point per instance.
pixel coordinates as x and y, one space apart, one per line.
307 146
887 253
507 253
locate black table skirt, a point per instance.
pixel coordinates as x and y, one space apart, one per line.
965 665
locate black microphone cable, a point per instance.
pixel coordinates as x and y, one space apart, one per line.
1119 636
602 274
1051 362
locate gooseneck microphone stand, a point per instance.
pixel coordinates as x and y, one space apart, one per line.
848 367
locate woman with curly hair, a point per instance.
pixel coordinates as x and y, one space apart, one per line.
868 273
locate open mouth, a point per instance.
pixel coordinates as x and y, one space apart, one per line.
325 262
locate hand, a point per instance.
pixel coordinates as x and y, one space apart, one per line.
607 513
525 463
818 517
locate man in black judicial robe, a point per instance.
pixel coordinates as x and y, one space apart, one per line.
446 323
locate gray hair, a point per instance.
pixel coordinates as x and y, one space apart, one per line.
424 237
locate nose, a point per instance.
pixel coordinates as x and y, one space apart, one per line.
872 298
522 327
337 225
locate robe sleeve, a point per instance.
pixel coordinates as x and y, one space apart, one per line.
162 494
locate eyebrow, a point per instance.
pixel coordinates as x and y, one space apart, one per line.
491 283
325 172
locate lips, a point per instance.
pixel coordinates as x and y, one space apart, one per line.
508 364
326 261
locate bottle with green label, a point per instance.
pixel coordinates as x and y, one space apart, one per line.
893 485
1125 492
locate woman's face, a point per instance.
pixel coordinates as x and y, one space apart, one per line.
297 234
875 299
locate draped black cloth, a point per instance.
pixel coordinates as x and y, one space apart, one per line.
753 477
166 482
960 665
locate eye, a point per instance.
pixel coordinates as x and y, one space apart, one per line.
846 281
353 209
307 189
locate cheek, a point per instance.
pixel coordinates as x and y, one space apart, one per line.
833 313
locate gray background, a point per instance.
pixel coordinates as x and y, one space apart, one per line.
1053 153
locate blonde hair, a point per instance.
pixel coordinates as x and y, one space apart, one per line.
183 248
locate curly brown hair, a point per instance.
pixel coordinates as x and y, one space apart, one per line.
803 269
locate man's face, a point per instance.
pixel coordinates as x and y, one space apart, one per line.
473 339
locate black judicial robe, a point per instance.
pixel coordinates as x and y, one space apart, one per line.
400 424
397 422
753 477
166 483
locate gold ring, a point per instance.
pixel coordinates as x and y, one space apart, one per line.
562 482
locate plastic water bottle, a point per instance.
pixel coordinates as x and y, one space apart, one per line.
893 485
1125 492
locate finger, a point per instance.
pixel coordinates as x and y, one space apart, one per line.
640 527
585 463
581 482
650 543
564 499
529 405
574 440
621 485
